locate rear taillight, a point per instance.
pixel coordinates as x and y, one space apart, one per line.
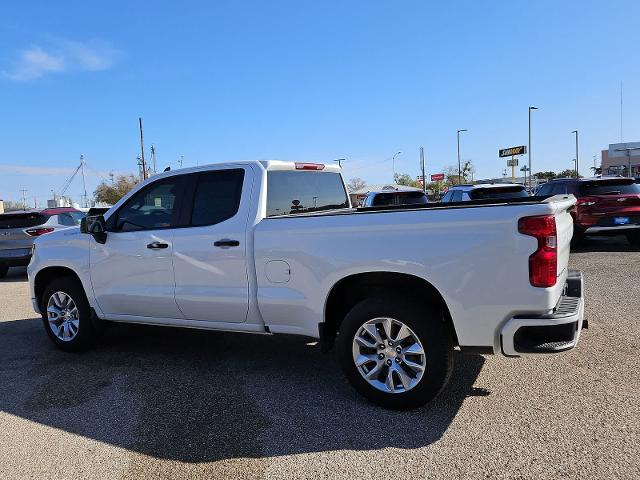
586 201
309 166
543 263
36 232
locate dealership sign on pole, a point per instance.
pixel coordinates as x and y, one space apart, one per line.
513 161
437 177
510 152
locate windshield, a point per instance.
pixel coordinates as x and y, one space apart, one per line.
623 186
292 192
498 193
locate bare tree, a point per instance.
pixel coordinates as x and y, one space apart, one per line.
356 183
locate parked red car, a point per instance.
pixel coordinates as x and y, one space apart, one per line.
605 205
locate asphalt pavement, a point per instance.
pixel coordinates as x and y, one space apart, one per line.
170 403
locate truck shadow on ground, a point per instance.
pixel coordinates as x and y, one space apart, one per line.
196 396
611 243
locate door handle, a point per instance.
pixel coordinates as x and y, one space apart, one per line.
226 243
157 245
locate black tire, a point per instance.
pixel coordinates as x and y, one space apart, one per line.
86 334
3 271
426 322
634 238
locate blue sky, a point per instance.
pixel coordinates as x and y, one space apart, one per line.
312 81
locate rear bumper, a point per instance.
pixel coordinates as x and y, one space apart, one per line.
556 332
621 229
15 257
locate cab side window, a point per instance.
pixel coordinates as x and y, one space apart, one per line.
216 197
154 207
447 196
457 196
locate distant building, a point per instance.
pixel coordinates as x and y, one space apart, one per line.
616 159
1 206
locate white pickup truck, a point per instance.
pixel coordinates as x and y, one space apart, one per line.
275 247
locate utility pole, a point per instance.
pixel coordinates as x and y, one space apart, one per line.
181 160
424 179
24 198
153 158
577 159
339 161
459 166
144 165
111 177
393 162
84 183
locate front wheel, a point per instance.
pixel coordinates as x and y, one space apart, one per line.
66 315
396 352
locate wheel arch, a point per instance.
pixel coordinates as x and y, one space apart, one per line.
45 276
350 290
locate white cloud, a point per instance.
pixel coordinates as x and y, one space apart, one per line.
65 171
35 62
62 56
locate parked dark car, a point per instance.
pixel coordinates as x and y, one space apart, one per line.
394 197
605 205
484 191
19 229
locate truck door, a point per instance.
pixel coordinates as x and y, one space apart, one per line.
131 272
210 253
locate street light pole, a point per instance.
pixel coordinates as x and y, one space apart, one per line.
459 165
529 147
393 161
577 159
339 161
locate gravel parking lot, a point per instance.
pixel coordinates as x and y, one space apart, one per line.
169 403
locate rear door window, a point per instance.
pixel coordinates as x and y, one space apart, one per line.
293 192
217 196
609 187
412 198
559 189
22 220
544 190
498 193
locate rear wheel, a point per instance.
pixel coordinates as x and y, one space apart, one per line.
634 238
66 315
3 271
396 352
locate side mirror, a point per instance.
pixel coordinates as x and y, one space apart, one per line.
97 227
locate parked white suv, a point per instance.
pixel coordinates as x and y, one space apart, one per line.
274 247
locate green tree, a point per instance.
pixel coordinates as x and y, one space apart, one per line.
568 173
545 175
110 194
405 179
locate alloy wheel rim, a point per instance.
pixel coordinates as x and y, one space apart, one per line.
389 355
63 316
